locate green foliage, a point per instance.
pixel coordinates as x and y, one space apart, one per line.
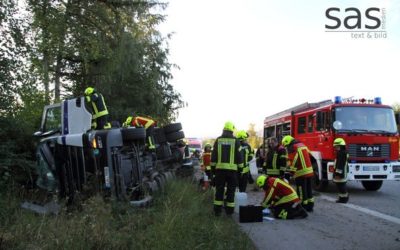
180 218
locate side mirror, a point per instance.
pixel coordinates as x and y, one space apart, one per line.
397 116
38 134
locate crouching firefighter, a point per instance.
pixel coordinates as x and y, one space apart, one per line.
225 161
98 109
280 198
341 170
143 122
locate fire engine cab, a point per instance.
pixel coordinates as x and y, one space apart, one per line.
368 127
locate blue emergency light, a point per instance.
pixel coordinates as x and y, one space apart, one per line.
377 100
338 99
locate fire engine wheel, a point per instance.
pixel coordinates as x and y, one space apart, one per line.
175 136
173 127
372 185
133 134
159 135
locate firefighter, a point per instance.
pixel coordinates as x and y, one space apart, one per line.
147 123
98 109
276 160
247 152
301 169
226 159
260 156
280 198
206 163
341 169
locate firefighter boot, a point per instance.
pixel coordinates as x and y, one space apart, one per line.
342 199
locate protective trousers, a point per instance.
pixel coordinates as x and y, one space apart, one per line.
289 210
243 179
225 178
343 195
304 191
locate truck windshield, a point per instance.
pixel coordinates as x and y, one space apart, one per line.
52 119
365 119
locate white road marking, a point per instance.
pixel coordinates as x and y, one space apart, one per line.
364 210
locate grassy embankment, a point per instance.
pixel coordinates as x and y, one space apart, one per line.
180 218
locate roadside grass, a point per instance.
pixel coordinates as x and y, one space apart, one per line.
180 218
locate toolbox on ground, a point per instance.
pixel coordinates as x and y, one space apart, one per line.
250 213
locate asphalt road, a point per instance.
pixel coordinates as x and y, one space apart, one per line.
371 220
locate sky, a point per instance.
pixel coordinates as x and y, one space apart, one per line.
241 61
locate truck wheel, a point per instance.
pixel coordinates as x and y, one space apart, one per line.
372 185
133 134
318 184
159 135
174 136
173 127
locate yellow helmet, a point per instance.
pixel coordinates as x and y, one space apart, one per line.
89 90
287 140
261 180
128 121
339 142
241 134
229 126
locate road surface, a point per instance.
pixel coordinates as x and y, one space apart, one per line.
371 220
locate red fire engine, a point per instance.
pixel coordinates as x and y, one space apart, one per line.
368 127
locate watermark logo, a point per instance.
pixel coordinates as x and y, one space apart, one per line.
361 24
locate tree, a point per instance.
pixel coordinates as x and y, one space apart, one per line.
254 140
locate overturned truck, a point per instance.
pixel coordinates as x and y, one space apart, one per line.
73 160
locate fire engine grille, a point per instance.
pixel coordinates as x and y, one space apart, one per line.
374 150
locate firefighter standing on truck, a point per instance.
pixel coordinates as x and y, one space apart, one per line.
247 152
147 123
276 160
341 169
280 198
301 169
98 109
225 161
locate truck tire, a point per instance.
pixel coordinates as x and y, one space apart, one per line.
317 183
159 135
133 134
372 185
173 127
175 136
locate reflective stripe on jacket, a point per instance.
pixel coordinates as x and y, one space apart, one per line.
300 161
226 152
278 192
98 105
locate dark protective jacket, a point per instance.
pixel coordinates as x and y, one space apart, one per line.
247 155
276 161
226 153
97 105
341 165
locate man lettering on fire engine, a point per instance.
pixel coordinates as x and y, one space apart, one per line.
341 169
280 198
247 152
226 159
301 169
147 123
98 109
276 160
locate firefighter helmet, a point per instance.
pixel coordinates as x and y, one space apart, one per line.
287 140
339 142
208 145
241 135
261 180
89 90
229 126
